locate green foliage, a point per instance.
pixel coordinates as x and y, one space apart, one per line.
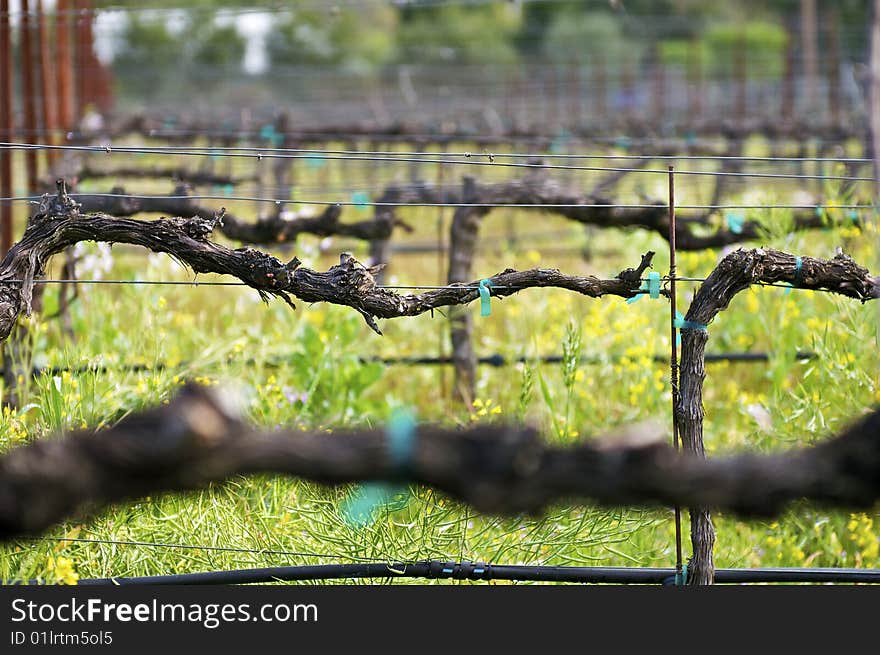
761 45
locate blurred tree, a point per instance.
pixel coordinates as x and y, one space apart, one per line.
218 46
459 34
358 38
579 36
146 51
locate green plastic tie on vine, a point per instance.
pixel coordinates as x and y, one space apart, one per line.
359 508
681 578
361 199
314 163
485 295
798 263
735 222
651 285
683 324
227 189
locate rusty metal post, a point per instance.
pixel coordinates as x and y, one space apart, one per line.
28 69
47 109
64 64
83 72
6 131
673 360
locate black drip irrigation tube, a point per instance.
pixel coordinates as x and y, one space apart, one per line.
496 360
436 569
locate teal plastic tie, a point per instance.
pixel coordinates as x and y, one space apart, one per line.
314 163
359 508
485 298
819 212
681 578
559 142
401 432
228 189
651 285
735 222
623 143
267 132
682 324
361 199
853 216
798 263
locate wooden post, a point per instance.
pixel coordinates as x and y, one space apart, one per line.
6 131
47 83
463 234
28 68
64 64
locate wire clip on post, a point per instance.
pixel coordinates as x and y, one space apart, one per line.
651 285
680 578
485 295
358 509
798 264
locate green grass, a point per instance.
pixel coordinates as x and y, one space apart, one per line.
302 369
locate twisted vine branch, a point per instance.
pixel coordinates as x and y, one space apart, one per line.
735 273
59 224
200 438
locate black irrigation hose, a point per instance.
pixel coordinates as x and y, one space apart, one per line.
436 569
495 360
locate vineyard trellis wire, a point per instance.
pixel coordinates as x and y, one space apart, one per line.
811 274
729 133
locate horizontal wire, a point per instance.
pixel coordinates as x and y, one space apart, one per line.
371 203
316 134
526 155
225 549
279 153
